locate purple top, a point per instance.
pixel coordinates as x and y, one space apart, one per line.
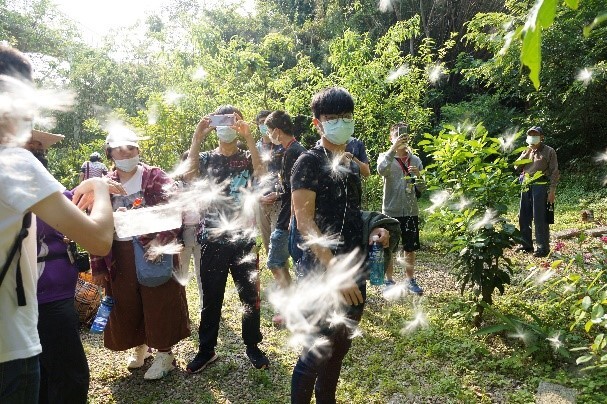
57 277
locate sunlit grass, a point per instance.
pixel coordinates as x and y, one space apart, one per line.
441 362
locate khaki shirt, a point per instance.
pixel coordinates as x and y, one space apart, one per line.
542 159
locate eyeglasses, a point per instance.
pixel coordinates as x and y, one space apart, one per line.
347 117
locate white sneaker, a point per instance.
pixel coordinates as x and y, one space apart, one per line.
164 362
142 352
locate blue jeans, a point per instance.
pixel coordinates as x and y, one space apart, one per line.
20 381
533 208
279 249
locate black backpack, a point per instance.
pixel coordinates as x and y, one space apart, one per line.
27 221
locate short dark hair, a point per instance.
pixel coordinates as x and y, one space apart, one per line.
262 114
15 64
228 109
333 100
280 120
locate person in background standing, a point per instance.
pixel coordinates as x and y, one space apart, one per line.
266 213
92 168
400 170
534 199
280 128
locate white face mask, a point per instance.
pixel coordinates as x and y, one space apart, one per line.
533 140
127 165
226 134
338 131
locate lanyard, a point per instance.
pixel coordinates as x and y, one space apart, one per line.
404 165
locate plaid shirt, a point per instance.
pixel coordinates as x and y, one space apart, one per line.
155 184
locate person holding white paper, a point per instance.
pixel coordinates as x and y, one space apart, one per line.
142 317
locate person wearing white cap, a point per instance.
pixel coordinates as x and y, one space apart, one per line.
27 187
538 194
92 168
142 317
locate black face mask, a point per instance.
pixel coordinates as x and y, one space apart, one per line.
41 156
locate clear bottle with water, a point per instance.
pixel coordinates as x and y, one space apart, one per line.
103 315
376 262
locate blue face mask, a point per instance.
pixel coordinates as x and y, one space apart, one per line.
263 129
226 134
338 131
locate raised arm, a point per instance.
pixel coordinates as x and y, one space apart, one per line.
200 134
245 131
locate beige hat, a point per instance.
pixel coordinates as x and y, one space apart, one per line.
45 138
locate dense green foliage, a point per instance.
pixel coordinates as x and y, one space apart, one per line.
472 171
570 102
411 60
442 66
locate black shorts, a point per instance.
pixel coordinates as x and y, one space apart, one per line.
409 228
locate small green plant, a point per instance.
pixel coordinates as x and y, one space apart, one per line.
473 176
581 291
536 334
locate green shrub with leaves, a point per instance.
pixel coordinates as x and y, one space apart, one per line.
473 176
584 295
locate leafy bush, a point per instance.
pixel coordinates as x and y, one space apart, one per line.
373 190
472 172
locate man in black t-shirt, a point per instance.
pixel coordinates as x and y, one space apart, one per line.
280 130
221 250
326 193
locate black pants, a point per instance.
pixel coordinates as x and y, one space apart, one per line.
216 259
533 208
319 374
64 370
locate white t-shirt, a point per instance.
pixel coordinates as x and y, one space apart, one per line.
24 182
133 191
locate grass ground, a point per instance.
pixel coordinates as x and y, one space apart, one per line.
444 362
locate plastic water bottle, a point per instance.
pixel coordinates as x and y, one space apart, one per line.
376 262
103 314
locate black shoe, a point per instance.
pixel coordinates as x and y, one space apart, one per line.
258 359
201 361
522 248
541 253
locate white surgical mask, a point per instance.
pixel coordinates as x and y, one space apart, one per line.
338 131
263 129
533 140
127 165
226 134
